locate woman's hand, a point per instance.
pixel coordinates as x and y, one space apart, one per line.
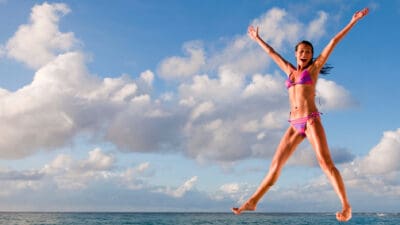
360 14
253 33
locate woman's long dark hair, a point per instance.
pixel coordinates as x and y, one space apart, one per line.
326 68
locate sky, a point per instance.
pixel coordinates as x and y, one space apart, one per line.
170 106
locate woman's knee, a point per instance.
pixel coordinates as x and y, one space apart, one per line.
327 165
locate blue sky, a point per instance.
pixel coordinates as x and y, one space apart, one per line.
169 106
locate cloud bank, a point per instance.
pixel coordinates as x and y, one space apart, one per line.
222 116
74 184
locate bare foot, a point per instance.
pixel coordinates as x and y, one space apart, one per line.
247 206
345 215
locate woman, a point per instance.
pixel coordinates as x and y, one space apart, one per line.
304 116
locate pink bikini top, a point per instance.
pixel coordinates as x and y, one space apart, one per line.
305 78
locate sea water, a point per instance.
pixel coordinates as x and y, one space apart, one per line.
36 218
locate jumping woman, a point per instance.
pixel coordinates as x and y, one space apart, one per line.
304 118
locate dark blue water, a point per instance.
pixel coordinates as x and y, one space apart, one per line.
10 218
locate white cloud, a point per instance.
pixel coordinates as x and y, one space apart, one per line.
316 28
64 100
181 190
268 86
384 157
69 173
225 88
148 77
48 112
181 67
98 160
38 42
378 172
332 96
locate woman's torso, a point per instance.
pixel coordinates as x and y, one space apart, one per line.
301 87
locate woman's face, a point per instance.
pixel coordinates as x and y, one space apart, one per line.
303 55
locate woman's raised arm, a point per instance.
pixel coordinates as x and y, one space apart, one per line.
323 57
279 60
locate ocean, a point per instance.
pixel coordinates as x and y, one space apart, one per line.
41 218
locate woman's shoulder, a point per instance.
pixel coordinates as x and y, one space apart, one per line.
313 70
291 70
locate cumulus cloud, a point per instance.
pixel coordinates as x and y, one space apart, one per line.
264 87
39 41
74 102
384 157
69 173
333 96
65 100
41 115
224 88
148 77
378 172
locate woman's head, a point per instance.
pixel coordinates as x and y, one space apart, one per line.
304 42
304 52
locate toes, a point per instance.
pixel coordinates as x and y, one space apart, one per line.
236 211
